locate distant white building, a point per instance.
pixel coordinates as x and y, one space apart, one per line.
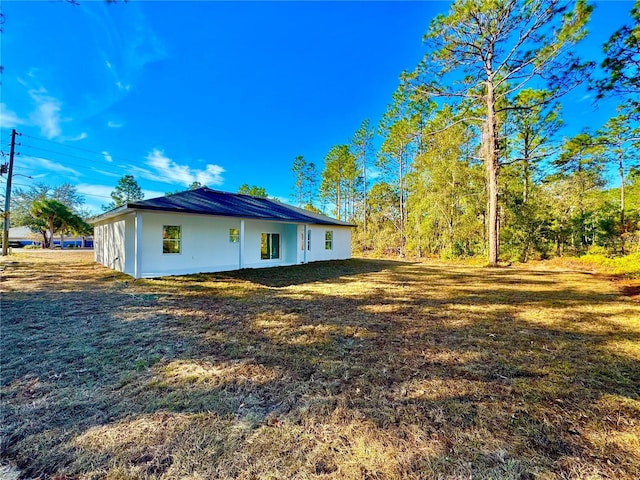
205 230
23 236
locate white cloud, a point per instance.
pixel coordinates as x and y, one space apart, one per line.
95 196
373 173
286 200
77 138
8 118
164 169
47 113
107 157
112 124
152 194
107 174
101 191
122 86
104 191
39 164
39 176
128 49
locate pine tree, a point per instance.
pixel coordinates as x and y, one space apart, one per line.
361 145
127 190
482 53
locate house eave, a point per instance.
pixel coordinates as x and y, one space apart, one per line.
116 212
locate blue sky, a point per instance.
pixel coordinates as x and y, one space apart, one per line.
224 93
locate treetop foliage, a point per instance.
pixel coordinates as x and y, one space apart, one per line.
488 91
127 190
253 190
622 63
513 41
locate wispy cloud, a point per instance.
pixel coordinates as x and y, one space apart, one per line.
38 164
54 105
286 200
129 49
95 196
122 86
76 138
152 193
163 169
373 173
46 116
107 157
8 118
104 191
101 191
107 174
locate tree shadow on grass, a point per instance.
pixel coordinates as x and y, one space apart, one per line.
389 359
279 277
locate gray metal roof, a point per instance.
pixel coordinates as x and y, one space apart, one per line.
204 201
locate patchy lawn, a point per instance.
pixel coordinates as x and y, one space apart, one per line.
360 369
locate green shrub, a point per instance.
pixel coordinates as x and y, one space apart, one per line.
628 265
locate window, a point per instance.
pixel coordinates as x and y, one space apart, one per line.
171 239
328 240
234 235
308 239
270 246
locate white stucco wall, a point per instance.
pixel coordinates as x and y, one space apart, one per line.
111 245
341 243
301 247
205 245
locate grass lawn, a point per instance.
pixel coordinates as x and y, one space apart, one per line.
359 369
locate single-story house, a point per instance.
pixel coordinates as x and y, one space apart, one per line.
205 230
23 236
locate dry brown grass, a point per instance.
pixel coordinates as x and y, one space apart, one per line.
363 369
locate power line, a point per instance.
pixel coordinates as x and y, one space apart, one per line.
63 154
63 144
100 154
23 168
118 167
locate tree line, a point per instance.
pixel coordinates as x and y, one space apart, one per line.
468 157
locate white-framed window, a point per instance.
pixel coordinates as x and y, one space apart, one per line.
171 238
234 235
269 246
328 240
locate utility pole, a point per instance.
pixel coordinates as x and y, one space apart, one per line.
7 200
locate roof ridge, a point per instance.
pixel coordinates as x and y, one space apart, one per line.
207 201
